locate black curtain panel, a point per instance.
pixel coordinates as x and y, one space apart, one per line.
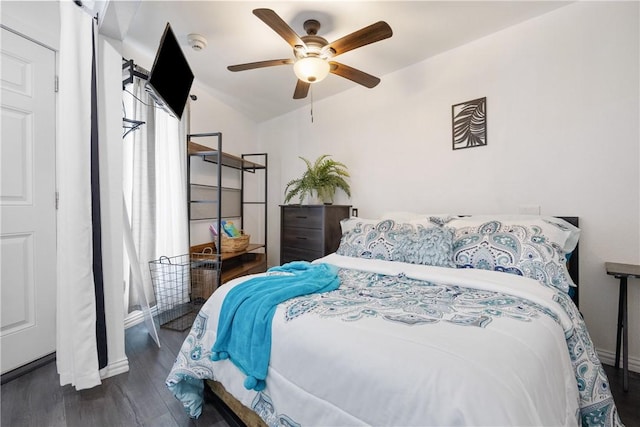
98 279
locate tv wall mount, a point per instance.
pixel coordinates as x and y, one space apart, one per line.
129 72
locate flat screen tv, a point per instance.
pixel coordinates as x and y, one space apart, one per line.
171 77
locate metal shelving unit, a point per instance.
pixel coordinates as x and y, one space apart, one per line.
254 258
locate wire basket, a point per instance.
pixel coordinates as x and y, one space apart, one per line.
182 284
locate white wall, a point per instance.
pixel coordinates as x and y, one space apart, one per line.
563 134
239 135
239 132
37 20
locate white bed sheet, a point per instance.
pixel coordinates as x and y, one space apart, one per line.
330 371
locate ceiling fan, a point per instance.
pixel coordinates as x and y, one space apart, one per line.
313 53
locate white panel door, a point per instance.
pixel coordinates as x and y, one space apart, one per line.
27 202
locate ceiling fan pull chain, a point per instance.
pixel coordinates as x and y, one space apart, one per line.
311 93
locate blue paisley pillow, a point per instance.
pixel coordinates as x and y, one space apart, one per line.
371 239
391 241
534 247
427 246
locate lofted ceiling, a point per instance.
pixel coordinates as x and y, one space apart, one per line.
421 29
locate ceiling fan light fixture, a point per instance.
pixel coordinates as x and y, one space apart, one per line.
311 69
314 54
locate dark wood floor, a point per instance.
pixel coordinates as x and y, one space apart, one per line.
628 403
140 398
136 398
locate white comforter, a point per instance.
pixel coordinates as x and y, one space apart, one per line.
353 365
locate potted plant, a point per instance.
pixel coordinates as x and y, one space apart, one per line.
323 178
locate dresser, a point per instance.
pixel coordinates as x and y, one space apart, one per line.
308 232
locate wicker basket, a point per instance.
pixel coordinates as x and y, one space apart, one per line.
234 244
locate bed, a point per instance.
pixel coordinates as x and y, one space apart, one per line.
433 320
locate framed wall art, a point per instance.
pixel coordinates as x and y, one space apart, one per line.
469 123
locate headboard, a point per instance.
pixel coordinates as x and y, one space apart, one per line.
573 262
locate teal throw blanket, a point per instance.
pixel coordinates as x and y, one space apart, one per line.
244 325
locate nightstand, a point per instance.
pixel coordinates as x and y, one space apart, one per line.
623 272
308 232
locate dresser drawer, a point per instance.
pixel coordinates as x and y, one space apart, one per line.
298 254
302 238
302 217
309 232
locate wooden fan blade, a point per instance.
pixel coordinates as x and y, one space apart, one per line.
278 25
354 75
367 35
302 89
259 64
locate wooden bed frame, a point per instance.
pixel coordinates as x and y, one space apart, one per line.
231 409
237 414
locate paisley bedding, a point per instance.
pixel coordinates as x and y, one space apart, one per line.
413 345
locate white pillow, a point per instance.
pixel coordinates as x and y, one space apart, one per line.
349 224
529 245
557 230
425 220
401 216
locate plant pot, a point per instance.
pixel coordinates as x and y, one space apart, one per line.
314 200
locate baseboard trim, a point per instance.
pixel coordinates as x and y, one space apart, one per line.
609 358
136 317
25 369
112 369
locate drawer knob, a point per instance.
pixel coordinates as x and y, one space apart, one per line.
300 217
301 238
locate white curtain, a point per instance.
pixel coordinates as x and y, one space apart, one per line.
155 185
76 358
139 188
